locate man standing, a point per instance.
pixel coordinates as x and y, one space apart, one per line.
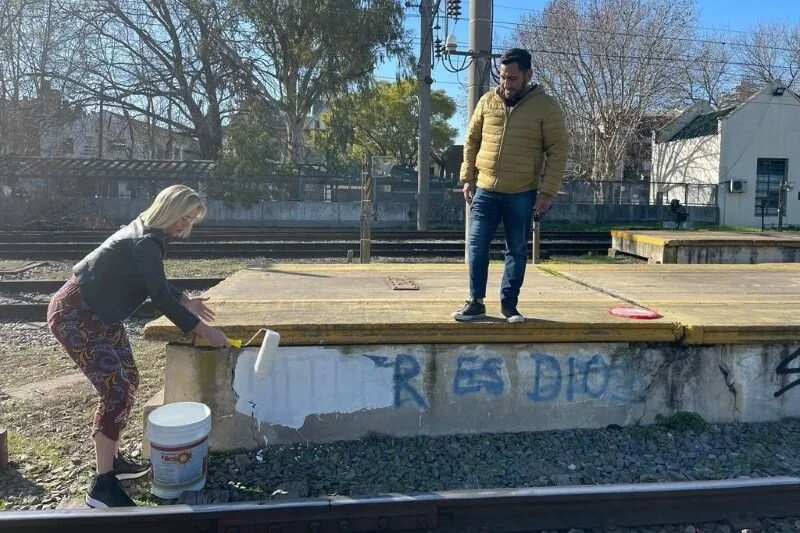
511 131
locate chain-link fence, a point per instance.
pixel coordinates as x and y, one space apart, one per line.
637 193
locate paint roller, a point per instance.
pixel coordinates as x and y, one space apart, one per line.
266 354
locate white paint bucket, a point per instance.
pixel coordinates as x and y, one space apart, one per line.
178 435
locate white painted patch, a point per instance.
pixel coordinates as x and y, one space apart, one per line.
311 380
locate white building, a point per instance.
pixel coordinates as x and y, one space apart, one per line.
742 154
121 138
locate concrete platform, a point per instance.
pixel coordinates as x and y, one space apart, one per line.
708 247
358 355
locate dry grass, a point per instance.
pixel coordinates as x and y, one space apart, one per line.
49 446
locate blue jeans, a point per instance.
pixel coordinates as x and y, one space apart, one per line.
487 210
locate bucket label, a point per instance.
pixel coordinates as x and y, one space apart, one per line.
179 465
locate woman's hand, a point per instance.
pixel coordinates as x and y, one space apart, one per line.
196 306
214 336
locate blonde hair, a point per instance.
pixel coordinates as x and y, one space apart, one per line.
171 204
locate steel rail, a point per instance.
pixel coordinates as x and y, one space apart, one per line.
472 511
271 234
40 251
52 285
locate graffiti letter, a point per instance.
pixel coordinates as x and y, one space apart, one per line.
551 390
571 379
782 370
464 382
596 365
471 380
406 368
493 380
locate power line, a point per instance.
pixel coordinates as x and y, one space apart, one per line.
513 25
628 34
687 59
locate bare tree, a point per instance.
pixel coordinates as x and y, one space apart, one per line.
31 34
144 57
771 52
712 73
609 63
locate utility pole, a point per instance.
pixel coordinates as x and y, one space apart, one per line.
365 251
783 192
480 43
424 147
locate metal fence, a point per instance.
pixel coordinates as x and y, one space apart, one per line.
137 179
637 193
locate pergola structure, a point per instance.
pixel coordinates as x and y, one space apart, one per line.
104 177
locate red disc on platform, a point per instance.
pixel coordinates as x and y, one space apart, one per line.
633 312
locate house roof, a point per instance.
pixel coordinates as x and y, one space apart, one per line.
702 125
162 170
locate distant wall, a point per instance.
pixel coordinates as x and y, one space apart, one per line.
348 214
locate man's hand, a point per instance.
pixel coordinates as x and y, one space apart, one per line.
196 306
469 191
543 202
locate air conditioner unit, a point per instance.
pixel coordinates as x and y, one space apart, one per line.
737 186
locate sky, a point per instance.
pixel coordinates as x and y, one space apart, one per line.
725 15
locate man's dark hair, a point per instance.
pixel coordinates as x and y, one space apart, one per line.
519 56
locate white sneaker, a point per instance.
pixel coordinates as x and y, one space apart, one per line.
513 316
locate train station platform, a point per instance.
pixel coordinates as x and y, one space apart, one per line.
372 348
707 247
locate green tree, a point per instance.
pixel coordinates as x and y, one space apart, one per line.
383 120
245 172
310 51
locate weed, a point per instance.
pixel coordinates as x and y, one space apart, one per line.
682 421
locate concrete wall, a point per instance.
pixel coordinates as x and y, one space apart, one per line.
624 214
699 253
735 254
686 161
312 214
346 392
348 214
765 127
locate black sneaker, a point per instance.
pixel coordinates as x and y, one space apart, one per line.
471 311
126 467
105 491
512 315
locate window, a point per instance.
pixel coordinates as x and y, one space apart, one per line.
67 147
770 173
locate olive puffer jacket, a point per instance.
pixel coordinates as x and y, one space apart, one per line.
505 148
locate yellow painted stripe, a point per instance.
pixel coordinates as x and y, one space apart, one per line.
640 237
726 335
500 333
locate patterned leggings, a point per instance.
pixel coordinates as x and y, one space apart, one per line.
101 351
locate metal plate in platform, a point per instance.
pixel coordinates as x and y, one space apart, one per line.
402 283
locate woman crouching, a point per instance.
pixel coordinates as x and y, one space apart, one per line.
86 316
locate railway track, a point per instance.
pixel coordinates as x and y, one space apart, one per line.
472 511
201 234
37 312
292 243
296 250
